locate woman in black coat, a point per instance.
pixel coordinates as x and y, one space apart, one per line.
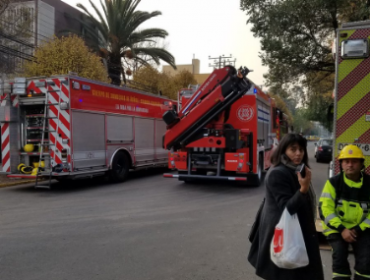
286 188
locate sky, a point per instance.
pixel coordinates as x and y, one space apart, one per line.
203 29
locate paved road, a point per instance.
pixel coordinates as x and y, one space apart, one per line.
146 228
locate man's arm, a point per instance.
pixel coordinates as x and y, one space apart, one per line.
327 208
364 225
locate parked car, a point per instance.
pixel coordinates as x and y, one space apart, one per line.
323 150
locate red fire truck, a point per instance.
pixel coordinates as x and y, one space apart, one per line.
226 131
71 127
185 94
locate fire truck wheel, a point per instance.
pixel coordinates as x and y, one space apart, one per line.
257 179
120 167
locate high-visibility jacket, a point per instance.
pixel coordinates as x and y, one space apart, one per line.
345 204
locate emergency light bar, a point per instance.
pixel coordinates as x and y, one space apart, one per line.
357 48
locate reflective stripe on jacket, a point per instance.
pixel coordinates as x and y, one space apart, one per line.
345 204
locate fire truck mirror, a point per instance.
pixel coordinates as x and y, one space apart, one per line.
278 116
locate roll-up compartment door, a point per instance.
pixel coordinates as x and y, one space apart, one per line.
144 140
88 140
119 129
160 130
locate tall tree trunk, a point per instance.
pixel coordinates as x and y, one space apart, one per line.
114 70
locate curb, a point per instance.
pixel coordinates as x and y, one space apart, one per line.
11 184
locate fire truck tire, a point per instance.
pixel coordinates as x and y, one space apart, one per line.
257 179
120 167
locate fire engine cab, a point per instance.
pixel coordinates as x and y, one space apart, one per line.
71 127
227 130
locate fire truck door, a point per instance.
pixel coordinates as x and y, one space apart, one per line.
144 140
88 139
160 130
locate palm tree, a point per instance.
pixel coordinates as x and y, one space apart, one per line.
119 37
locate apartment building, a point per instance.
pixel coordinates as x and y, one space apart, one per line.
46 18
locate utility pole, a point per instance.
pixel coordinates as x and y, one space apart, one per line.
221 61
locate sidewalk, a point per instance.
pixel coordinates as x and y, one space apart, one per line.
7 182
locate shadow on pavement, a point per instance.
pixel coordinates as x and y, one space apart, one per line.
86 184
220 186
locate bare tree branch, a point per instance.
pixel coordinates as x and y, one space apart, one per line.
3 5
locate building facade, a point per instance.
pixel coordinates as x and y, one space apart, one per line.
193 68
44 18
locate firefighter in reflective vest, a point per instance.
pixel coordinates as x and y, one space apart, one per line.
344 210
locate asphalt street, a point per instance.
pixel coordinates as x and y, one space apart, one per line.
148 227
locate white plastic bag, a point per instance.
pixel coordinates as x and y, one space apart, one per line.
288 249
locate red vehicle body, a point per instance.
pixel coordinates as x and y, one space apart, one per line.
80 127
226 131
185 94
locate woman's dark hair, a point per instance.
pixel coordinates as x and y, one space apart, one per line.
289 139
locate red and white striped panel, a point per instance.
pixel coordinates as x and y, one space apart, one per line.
61 125
14 100
3 99
5 141
5 146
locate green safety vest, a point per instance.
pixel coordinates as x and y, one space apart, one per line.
345 204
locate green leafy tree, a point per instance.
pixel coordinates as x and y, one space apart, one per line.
296 35
301 122
64 55
281 104
296 40
120 37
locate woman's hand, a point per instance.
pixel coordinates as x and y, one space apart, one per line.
304 182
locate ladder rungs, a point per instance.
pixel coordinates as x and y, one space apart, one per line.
34 154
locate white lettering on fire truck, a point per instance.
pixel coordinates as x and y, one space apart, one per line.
231 160
131 108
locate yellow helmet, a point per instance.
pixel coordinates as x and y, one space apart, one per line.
34 171
28 148
351 151
36 164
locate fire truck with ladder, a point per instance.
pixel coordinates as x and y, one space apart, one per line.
68 127
227 130
351 110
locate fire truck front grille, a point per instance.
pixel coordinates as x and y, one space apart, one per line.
205 150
